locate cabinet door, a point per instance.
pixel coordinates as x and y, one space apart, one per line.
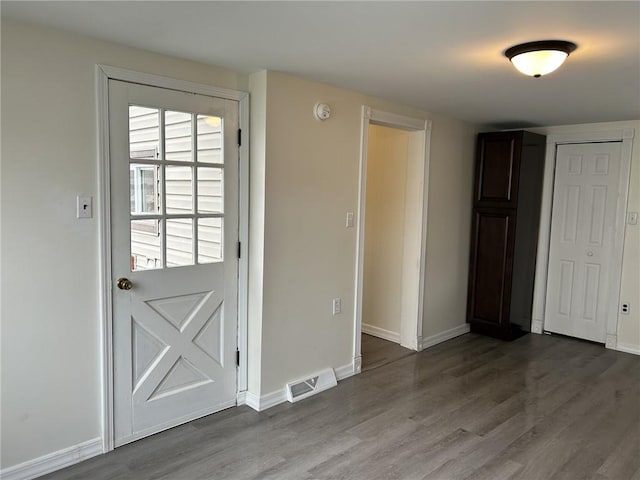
497 169
490 272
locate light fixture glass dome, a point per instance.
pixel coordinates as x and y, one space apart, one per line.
539 58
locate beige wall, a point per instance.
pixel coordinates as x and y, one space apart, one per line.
387 164
448 225
309 255
629 324
50 260
304 177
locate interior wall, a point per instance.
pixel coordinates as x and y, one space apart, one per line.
304 177
448 226
628 324
50 260
311 182
387 166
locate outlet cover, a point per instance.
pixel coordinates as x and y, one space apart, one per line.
84 206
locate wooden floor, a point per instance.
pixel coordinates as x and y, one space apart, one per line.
540 407
377 352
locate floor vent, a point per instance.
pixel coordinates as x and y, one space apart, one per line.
306 387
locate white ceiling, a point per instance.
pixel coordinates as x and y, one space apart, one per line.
443 57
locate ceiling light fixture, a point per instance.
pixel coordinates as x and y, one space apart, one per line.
539 58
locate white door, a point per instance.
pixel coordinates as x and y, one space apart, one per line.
585 208
174 234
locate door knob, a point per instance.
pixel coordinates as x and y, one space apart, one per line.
589 253
124 284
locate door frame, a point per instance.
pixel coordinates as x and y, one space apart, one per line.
625 136
104 73
379 117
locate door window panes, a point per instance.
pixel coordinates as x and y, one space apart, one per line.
176 188
146 245
210 236
210 190
179 188
143 188
179 242
209 139
178 136
144 132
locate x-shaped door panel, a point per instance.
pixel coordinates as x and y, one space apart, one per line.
186 333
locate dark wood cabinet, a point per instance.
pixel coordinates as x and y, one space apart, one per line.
504 233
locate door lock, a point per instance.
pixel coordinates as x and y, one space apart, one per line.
124 284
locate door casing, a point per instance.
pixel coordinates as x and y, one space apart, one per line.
625 136
378 117
105 73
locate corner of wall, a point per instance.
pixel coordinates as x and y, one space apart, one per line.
448 229
257 173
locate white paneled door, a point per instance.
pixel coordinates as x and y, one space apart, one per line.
587 191
174 237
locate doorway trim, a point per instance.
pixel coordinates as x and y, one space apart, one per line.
387 119
104 73
625 136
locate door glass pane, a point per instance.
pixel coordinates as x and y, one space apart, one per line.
146 245
143 188
178 136
144 132
179 188
210 240
209 139
210 190
149 175
179 242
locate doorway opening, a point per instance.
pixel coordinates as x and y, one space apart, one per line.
391 238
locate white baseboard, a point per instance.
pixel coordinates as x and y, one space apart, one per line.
628 348
344 371
268 400
252 400
241 398
357 364
414 344
381 333
444 336
53 461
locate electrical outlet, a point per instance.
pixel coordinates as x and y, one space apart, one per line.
625 308
337 306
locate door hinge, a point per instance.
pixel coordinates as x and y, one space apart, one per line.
239 249
237 358
239 137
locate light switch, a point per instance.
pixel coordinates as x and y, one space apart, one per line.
336 306
632 218
349 219
84 206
